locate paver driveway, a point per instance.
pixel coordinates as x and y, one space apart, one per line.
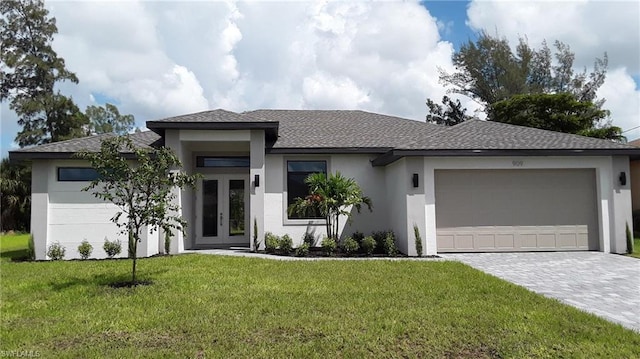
607 285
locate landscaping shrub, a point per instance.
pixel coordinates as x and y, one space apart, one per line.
167 242
390 245
256 242
112 248
286 244
303 250
271 242
56 251
328 245
629 240
85 248
310 239
379 237
368 245
350 246
31 249
416 231
358 236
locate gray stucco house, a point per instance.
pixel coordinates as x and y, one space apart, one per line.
475 187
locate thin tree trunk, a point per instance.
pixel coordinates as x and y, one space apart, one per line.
135 259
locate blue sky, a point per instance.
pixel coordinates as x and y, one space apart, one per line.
159 59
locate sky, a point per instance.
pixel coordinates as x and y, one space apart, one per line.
162 58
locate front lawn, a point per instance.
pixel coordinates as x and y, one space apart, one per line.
211 306
636 248
13 246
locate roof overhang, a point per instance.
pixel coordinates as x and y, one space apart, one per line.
20 156
328 150
270 128
394 155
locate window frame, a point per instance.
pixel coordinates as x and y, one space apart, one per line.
200 161
285 194
83 179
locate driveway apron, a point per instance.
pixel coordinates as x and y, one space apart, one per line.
607 285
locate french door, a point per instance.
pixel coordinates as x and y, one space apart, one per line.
222 212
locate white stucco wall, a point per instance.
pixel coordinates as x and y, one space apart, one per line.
358 166
73 215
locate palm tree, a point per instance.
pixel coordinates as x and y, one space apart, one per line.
331 197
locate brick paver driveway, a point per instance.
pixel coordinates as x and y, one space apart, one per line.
607 285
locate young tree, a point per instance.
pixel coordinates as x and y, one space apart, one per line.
141 187
449 113
108 119
30 69
332 197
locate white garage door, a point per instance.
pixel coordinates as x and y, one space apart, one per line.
516 210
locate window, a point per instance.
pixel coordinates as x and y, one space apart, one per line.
297 171
204 161
76 174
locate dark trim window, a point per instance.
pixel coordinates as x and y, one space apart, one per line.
77 174
297 171
236 161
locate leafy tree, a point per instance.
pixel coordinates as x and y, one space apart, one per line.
449 113
556 112
332 197
505 81
30 70
140 188
15 194
108 119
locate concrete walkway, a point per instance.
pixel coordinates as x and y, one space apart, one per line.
607 285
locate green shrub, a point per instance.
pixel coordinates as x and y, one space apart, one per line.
350 246
629 240
328 245
310 239
112 248
286 244
167 242
256 242
303 250
379 237
31 249
56 251
390 245
271 242
85 248
416 231
358 236
368 245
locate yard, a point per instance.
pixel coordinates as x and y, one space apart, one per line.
209 306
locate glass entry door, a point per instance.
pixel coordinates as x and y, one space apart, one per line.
222 210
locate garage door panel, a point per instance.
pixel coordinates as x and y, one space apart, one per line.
516 210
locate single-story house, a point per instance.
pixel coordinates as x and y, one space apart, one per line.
475 187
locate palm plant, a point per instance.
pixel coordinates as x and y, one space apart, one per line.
330 197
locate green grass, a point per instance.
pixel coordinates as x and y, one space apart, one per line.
13 246
210 306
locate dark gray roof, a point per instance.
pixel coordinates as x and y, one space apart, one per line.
343 129
212 116
489 135
66 149
347 131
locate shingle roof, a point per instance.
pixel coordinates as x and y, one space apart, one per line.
212 116
343 129
348 130
635 143
146 139
489 135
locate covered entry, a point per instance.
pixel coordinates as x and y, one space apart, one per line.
516 210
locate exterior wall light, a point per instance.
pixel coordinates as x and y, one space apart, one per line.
415 180
256 180
623 178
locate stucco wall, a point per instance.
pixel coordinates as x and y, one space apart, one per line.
74 215
371 181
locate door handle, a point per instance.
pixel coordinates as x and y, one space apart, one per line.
221 219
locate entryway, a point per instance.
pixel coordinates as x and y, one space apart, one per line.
222 211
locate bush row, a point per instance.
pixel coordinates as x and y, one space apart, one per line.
56 251
382 242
